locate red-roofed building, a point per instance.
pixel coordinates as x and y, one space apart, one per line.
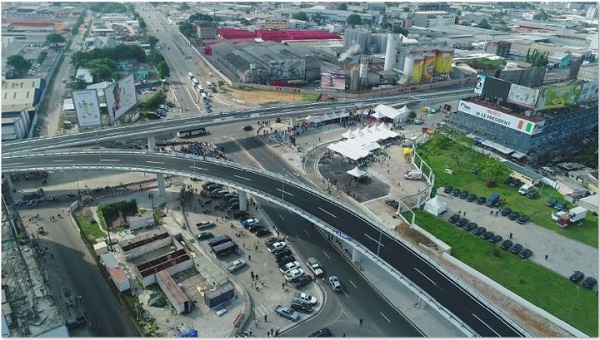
276 35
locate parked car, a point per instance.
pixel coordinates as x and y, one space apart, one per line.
285 259
301 306
533 194
487 235
321 333
292 274
282 253
287 313
307 298
335 283
560 206
447 189
513 215
204 236
478 231
271 240
460 223
589 283
454 218
471 197
236 265
577 276
495 239
522 219
480 200
506 244
289 266
516 248
463 194
248 128
262 231
277 246
455 192
505 211
470 226
205 224
552 202
525 253
301 281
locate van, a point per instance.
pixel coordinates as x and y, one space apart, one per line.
225 249
492 200
215 241
524 189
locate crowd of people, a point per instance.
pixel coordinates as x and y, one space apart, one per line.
205 149
29 176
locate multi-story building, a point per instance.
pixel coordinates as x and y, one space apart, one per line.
592 13
206 30
433 19
276 23
500 48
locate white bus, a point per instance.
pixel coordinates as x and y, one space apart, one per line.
195 82
204 96
190 75
200 88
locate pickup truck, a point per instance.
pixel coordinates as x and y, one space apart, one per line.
314 266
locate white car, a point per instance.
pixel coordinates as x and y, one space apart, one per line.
293 274
556 215
236 265
277 246
307 298
205 224
289 266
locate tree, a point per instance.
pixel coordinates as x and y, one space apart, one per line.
152 40
20 64
542 16
163 70
484 24
386 26
343 6
353 20
492 168
300 16
400 30
101 73
79 84
142 24
184 7
55 39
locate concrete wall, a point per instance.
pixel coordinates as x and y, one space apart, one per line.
146 248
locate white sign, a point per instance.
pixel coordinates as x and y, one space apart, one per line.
87 108
479 84
523 96
120 98
589 91
497 117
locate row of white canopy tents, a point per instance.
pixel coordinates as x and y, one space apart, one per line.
396 115
360 142
327 117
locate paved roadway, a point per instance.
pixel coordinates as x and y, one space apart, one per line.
450 294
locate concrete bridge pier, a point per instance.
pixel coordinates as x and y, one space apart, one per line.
243 200
160 179
356 255
151 143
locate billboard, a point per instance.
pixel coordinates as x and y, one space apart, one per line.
496 88
443 61
589 91
120 98
418 66
428 65
523 96
479 84
330 80
557 96
501 118
87 107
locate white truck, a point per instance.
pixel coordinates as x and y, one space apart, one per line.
413 174
574 215
314 266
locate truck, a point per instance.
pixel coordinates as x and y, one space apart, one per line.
315 267
413 174
575 215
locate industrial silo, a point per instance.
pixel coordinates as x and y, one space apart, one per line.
417 74
390 52
443 60
355 79
428 65
409 63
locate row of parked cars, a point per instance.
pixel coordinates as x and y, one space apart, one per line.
505 211
588 283
486 235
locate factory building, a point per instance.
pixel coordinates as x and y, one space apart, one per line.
433 19
20 99
206 30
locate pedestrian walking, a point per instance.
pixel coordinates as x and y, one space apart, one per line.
283 285
459 212
546 257
496 213
360 322
256 247
249 257
252 275
464 213
255 323
272 330
510 236
344 335
491 212
265 317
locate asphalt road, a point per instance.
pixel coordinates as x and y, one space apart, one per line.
461 303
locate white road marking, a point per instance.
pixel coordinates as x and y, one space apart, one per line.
281 217
476 317
195 167
16 163
62 160
327 256
345 293
385 317
355 286
430 280
285 192
306 232
325 211
246 178
110 160
153 162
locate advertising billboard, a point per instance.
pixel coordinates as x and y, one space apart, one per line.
589 91
557 96
418 66
428 65
479 83
120 98
496 88
523 96
497 117
443 61
330 80
87 107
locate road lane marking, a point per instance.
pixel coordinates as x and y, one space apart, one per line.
306 232
16 163
240 177
195 167
62 160
426 276
281 217
353 283
345 293
327 256
325 211
385 317
476 317
110 160
154 162
285 192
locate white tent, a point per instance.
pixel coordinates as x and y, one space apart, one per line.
436 206
356 172
590 203
348 134
404 109
377 115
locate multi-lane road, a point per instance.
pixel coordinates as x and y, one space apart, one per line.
450 294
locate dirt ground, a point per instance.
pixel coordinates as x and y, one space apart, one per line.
261 97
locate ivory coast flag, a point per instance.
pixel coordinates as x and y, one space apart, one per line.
528 125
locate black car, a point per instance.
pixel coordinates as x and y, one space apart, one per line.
522 219
532 194
301 281
300 306
463 194
285 259
260 232
516 248
460 223
248 128
505 211
255 227
454 218
508 180
577 276
320 333
205 235
272 240
242 215
513 215
552 202
506 244
455 192
495 239
447 189
589 283
470 226
487 235
478 231
560 206
471 198
525 253
480 200
282 252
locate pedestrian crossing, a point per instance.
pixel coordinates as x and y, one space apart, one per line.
261 310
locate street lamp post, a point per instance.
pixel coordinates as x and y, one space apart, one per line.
78 189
